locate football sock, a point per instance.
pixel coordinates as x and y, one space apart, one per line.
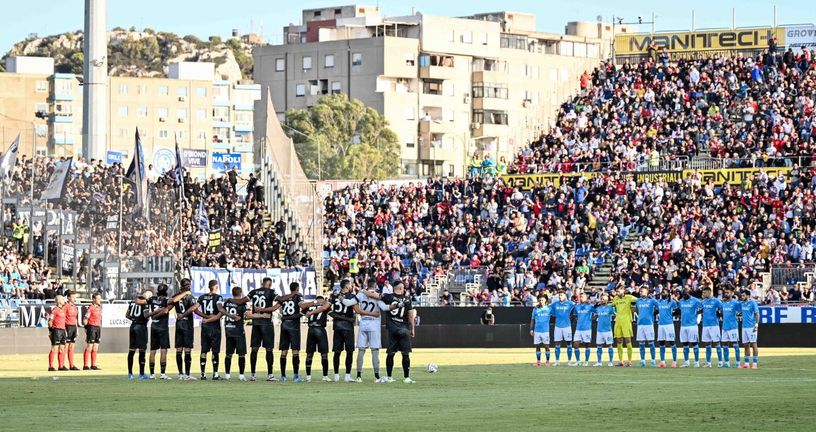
586 354
557 352
71 357
163 367
324 361
336 362
152 366
227 363
662 353
241 364
50 359
375 362
389 364
406 365
538 356
547 355
180 362
253 360
86 357
674 353
309 364
600 353
756 360
652 350
349 358
611 354
569 352
295 363
629 351
708 354
61 359
93 358
720 353
203 363
360 358
686 353
215 363
141 362
130 361
188 362
283 365
270 362
737 353
696 353
642 349
727 354
620 351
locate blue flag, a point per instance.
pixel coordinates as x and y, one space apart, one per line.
203 219
136 174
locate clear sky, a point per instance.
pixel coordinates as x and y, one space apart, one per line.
217 17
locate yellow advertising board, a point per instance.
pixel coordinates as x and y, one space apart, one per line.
732 176
699 41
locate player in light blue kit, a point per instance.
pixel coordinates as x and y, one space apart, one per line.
583 328
540 329
666 308
604 313
750 329
730 327
646 308
712 308
562 309
689 311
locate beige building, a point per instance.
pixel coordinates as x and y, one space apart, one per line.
191 105
449 87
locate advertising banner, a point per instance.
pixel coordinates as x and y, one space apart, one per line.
699 41
249 279
799 36
114 157
226 161
193 158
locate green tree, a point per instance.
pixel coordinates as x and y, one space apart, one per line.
347 139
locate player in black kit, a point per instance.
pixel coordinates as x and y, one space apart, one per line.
262 301
211 309
317 339
185 306
236 311
343 324
399 321
159 308
291 306
137 314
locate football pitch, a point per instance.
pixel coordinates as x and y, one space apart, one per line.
474 390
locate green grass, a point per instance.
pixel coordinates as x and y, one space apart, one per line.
512 397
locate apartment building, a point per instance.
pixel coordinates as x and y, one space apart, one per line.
191 105
450 88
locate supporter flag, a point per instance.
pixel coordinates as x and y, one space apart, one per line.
203 219
179 172
9 159
215 240
136 174
58 180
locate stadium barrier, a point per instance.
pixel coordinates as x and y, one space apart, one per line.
249 279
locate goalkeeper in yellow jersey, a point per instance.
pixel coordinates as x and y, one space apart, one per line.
622 303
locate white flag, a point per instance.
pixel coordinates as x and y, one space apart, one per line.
56 185
9 159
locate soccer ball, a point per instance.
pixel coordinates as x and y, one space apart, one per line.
432 368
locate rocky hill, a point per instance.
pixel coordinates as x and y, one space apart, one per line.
143 53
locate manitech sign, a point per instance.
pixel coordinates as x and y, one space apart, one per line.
712 40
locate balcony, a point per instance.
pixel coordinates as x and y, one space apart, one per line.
437 72
490 104
489 76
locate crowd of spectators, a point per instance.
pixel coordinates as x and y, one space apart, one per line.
748 111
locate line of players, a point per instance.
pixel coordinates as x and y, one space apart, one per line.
665 309
258 306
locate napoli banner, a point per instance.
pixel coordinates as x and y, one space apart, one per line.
249 279
224 162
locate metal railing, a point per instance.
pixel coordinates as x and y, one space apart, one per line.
788 276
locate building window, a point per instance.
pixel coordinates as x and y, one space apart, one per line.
181 91
202 135
483 36
141 89
317 14
123 111
122 89
280 65
307 63
410 60
201 114
335 87
448 88
180 134
328 60
65 86
164 91
490 117
300 90
467 37
356 59
410 142
181 113
42 86
201 91
221 114
432 87
141 112
41 108
164 134
41 130
426 60
162 112
62 108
